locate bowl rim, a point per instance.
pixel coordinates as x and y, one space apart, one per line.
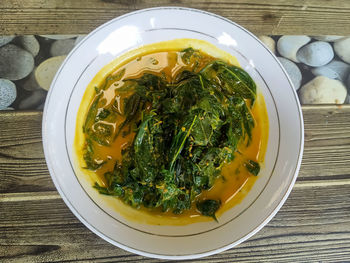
164 256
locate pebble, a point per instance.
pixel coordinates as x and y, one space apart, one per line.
56 37
30 82
342 49
269 42
78 39
8 93
15 63
41 106
347 100
323 90
288 46
46 71
330 38
61 47
29 43
316 54
5 40
334 70
32 101
293 71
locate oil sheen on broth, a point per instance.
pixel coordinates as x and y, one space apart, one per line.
231 185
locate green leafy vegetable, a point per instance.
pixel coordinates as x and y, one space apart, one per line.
91 115
208 207
185 131
252 167
91 163
103 114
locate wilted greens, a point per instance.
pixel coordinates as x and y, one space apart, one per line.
185 131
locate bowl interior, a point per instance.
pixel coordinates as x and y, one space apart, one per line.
128 32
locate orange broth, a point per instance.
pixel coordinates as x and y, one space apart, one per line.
233 183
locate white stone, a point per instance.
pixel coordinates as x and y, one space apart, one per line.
293 71
288 46
316 54
32 101
323 90
8 93
330 38
342 49
5 40
61 47
46 71
56 37
333 70
78 39
269 42
29 43
15 63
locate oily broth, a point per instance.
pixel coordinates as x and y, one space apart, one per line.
234 182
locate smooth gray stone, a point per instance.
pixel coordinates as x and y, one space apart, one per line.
78 39
330 38
288 46
347 100
293 71
8 93
15 63
316 54
41 106
61 47
30 43
31 102
334 70
348 87
30 83
5 40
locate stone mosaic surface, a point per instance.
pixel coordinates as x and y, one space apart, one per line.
319 67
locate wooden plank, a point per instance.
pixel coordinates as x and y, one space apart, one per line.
327 142
22 163
36 226
23 167
313 17
313 225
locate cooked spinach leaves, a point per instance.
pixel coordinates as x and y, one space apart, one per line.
252 167
185 131
208 207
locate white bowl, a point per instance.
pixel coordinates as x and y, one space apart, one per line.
282 159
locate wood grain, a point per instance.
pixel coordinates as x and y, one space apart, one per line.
23 167
313 219
22 163
313 17
313 225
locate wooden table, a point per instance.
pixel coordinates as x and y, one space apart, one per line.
314 223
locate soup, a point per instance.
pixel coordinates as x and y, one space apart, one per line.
175 133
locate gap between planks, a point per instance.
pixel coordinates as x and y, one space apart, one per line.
47 195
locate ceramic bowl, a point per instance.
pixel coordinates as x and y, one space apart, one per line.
282 159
